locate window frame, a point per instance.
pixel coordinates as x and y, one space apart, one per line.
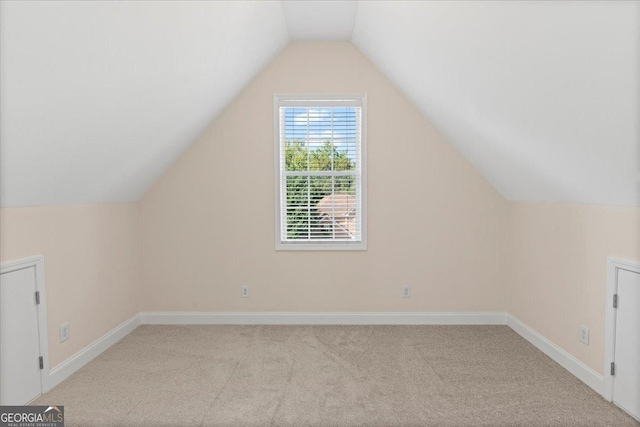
320 100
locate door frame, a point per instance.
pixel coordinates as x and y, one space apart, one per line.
613 266
38 263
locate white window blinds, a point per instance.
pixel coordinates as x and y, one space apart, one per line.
320 168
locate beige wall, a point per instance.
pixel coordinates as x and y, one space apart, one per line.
92 266
434 222
560 269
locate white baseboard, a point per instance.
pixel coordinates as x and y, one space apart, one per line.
564 359
322 318
65 369
84 356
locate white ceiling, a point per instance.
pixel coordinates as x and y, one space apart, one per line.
320 20
98 99
541 97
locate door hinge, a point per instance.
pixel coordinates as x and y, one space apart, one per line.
615 301
613 368
37 297
41 362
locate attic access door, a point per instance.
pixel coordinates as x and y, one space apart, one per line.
21 352
623 330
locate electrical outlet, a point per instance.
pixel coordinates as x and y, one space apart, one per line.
406 292
65 332
583 333
245 292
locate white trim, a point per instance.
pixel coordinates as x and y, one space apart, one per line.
557 354
560 356
564 359
298 100
322 318
18 264
613 265
38 263
283 99
65 369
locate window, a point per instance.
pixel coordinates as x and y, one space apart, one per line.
321 172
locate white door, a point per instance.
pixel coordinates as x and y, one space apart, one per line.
20 380
626 381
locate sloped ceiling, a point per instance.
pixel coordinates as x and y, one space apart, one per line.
320 20
98 99
541 97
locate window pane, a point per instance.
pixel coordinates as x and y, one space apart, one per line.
346 185
320 157
322 207
345 129
297 207
296 156
321 187
321 139
345 207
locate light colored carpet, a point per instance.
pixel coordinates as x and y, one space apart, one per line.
328 376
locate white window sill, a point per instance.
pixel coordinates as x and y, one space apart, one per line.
315 246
